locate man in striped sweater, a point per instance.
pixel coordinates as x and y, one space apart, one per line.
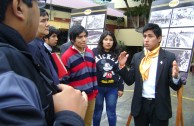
80 63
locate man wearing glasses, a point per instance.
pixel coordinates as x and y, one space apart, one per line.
25 99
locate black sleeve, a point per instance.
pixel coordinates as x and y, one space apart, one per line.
21 116
128 75
121 84
68 118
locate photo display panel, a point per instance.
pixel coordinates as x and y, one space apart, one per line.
176 19
93 20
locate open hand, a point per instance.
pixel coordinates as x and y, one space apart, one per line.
123 58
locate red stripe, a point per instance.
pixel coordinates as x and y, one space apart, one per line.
83 82
81 66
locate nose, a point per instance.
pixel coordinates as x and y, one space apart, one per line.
47 23
84 38
146 39
108 41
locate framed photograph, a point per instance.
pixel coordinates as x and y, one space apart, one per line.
95 21
164 37
94 36
162 17
183 16
81 20
180 38
182 58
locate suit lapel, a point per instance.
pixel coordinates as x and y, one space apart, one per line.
161 63
141 56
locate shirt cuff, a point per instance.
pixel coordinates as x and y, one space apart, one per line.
176 80
121 66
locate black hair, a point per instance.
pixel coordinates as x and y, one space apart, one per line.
75 31
52 30
114 49
43 12
154 27
4 4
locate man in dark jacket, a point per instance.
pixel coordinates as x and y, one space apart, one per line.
26 98
39 51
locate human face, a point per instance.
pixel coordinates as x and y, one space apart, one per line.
150 40
43 28
31 22
107 43
80 41
52 41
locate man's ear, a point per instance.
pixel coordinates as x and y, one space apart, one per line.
18 9
46 40
160 39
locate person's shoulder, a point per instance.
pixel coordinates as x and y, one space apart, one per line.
167 53
8 52
89 50
68 43
33 42
32 45
95 50
138 54
68 53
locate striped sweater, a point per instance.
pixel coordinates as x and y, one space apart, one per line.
81 71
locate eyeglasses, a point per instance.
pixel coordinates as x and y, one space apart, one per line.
41 3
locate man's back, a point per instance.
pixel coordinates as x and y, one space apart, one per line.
21 63
21 79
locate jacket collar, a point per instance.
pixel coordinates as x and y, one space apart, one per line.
161 62
10 36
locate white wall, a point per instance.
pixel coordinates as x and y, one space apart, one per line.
129 36
121 3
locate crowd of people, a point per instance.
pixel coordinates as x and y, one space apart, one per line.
32 94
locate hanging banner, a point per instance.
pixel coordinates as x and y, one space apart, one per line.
176 18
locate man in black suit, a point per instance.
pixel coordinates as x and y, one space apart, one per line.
38 50
153 70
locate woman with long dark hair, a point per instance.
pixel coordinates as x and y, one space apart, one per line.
110 85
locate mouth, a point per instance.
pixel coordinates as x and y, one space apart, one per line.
146 45
83 44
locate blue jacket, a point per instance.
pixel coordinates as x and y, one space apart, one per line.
26 98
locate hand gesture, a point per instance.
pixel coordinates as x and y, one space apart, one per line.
123 58
70 99
175 69
120 93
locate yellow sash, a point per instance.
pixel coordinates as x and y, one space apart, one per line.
145 64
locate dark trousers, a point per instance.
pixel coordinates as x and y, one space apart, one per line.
147 115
